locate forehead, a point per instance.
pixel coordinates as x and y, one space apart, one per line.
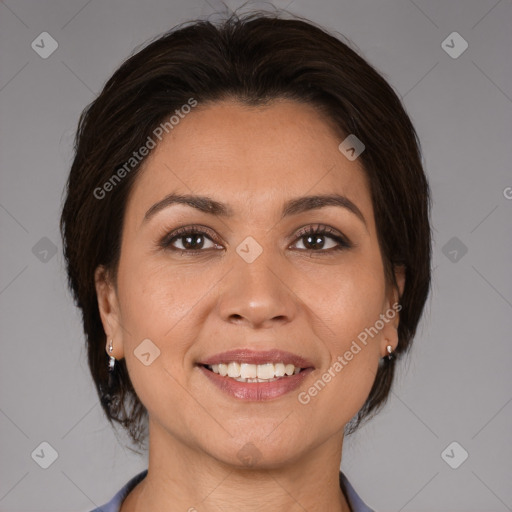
251 157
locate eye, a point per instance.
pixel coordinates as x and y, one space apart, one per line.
195 239
314 239
191 239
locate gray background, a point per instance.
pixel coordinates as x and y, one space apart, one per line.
456 386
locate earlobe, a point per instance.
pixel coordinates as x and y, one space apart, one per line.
109 310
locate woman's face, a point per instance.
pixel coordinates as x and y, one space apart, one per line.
253 279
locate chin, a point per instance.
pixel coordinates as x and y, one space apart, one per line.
258 452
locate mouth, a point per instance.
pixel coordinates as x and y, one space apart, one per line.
255 389
249 375
246 365
245 372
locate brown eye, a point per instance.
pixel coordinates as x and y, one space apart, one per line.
191 239
313 239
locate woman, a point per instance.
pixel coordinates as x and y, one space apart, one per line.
246 230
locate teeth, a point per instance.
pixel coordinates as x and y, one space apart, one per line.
244 372
265 371
279 370
288 369
248 371
233 370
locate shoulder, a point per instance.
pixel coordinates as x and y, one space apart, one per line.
115 503
354 500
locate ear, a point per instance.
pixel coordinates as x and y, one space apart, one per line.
400 281
391 311
108 306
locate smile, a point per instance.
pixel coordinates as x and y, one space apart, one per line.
255 389
245 372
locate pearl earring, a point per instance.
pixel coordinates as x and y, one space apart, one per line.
112 360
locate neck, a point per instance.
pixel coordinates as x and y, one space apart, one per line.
182 478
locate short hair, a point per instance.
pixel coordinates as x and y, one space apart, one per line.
254 59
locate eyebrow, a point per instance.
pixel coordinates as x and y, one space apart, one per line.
295 206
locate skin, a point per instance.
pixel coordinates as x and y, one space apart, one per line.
311 302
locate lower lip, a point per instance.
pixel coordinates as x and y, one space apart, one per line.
256 391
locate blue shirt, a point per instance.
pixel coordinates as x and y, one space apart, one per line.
354 501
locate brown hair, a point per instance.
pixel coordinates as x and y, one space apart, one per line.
253 58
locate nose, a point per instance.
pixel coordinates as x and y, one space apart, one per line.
258 294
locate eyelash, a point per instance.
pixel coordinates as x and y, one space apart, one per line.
343 243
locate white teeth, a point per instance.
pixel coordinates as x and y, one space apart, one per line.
279 370
248 371
239 379
265 371
244 372
288 369
233 369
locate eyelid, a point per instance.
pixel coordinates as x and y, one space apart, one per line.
184 230
343 243
310 229
322 229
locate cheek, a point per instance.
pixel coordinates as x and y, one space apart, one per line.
154 306
155 296
346 307
347 298
343 312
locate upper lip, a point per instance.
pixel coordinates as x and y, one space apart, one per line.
249 356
